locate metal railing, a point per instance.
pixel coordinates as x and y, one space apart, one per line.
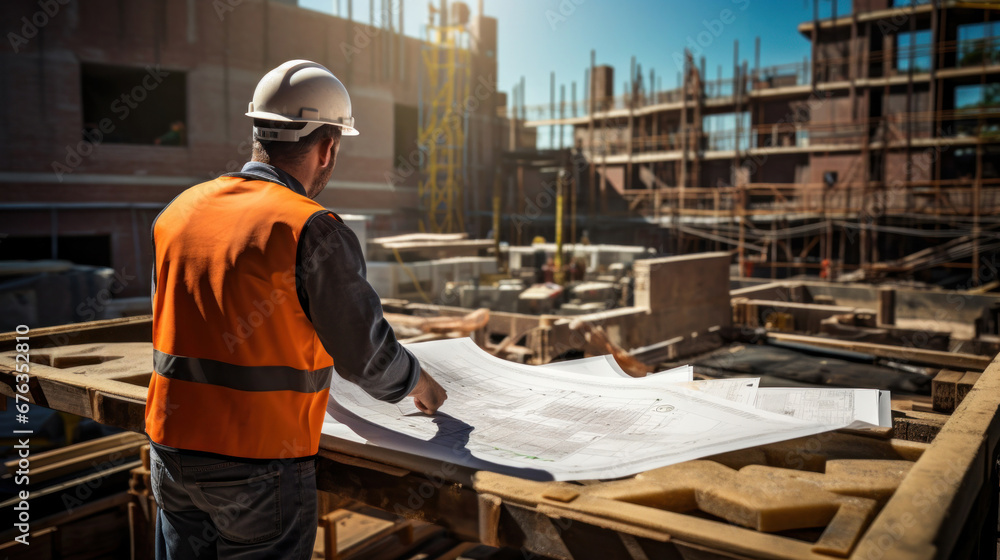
967 53
782 75
947 197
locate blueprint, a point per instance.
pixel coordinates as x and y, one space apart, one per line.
682 373
857 408
607 366
598 366
547 424
742 390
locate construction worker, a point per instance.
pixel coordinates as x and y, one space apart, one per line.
258 294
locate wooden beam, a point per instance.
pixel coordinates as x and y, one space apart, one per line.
953 475
944 390
61 454
63 518
83 462
954 360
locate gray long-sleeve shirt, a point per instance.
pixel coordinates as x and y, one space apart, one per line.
343 307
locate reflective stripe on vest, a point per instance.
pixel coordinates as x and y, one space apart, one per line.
238 368
241 378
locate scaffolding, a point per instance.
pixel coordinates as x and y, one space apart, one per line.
443 119
866 137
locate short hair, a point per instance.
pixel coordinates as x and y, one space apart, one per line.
270 151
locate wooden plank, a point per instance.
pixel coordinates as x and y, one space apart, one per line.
914 355
965 385
62 486
95 537
345 529
59 395
489 519
393 463
472 321
84 462
63 453
455 552
362 463
916 429
886 307
944 388
406 237
922 407
634 518
119 411
456 506
431 497
500 322
104 400
62 517
925 517
111 392
42 544
125 329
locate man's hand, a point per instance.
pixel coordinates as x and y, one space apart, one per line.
427 395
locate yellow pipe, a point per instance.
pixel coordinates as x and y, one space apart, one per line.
558 261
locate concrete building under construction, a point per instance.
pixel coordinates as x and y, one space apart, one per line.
694 392
884 144
119 106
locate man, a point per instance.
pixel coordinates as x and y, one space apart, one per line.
258 293
176 136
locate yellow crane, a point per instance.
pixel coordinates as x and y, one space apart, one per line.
444 96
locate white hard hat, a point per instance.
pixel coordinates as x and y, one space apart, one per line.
300 91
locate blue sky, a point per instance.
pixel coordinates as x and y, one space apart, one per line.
541 36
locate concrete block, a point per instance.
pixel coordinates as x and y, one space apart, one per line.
573 309
599 292
383 277
540 299
359 225
664 283
458 269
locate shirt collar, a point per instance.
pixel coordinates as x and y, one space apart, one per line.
270 173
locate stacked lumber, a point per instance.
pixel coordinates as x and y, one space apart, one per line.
923 422
412 328
59 462
360 532
426 246
79 494
950 388
911 355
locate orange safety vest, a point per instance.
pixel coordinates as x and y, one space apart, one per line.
238 367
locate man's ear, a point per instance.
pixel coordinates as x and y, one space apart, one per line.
325 148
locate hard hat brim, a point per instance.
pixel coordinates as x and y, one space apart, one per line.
347 130
270 116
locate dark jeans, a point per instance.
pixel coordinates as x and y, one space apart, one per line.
225 508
